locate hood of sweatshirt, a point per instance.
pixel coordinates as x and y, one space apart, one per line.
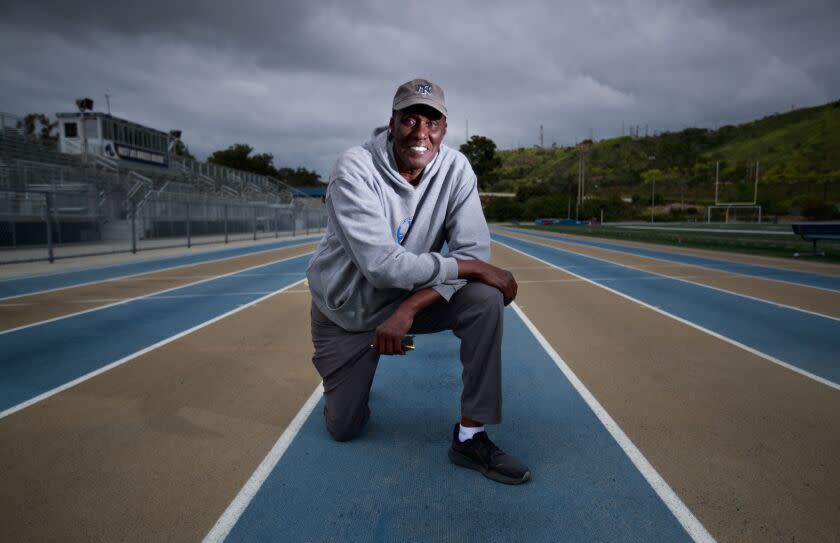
382 152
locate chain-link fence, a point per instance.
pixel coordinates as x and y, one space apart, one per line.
46 225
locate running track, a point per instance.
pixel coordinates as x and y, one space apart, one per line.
604 433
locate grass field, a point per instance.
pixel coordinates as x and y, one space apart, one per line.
767 240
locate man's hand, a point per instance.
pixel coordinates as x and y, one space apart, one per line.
489 275
387 338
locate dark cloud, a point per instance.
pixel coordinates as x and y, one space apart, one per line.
305 80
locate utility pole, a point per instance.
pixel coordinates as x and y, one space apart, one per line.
468 131
541 136
652 158
652 196
108 97
581 179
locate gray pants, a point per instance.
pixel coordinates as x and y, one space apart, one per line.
347 363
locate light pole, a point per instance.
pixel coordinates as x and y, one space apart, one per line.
652 158
84 104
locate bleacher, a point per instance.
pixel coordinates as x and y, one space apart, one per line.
91 197
27 163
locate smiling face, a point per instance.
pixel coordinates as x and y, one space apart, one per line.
418 131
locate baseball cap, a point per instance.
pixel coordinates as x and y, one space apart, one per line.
420 91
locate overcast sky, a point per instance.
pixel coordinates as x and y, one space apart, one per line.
306 80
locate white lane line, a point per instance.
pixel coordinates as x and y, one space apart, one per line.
684 280
682 513
701 266
94 301
304 241
629 279
201 276
218 295
696 326
707 231
537 281
231 515
154 297
121 361
528 268
125 301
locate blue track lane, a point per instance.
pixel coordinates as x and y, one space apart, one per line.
395 483
42 357
766 272
38 283
807 341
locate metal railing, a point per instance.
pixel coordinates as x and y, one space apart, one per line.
54 205
48 225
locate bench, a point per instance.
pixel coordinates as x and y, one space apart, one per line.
815 231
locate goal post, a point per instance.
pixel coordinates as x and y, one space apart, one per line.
730 209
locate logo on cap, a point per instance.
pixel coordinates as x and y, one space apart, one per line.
424 89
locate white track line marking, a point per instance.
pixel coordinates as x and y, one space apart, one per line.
231 515
684 280
731 341
685 517
93 301
303 242
121 361
701 266
196 296
152 294
628 279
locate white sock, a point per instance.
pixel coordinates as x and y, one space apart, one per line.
467 432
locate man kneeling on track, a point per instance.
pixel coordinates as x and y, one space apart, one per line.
378 275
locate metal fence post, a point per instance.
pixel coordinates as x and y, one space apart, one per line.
276 224
189 238
306 219
50 254
226 225
133 227
255 222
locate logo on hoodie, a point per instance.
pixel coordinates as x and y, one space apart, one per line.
402 228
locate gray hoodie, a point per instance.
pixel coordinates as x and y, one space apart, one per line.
360 272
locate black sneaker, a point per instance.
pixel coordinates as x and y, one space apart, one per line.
481 454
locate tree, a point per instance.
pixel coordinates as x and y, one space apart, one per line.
481 153
237 156
300 177
180 149
531 191
38 125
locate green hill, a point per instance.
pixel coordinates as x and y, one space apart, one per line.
798 156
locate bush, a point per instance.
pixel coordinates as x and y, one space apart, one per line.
503 209
545 206
816 210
